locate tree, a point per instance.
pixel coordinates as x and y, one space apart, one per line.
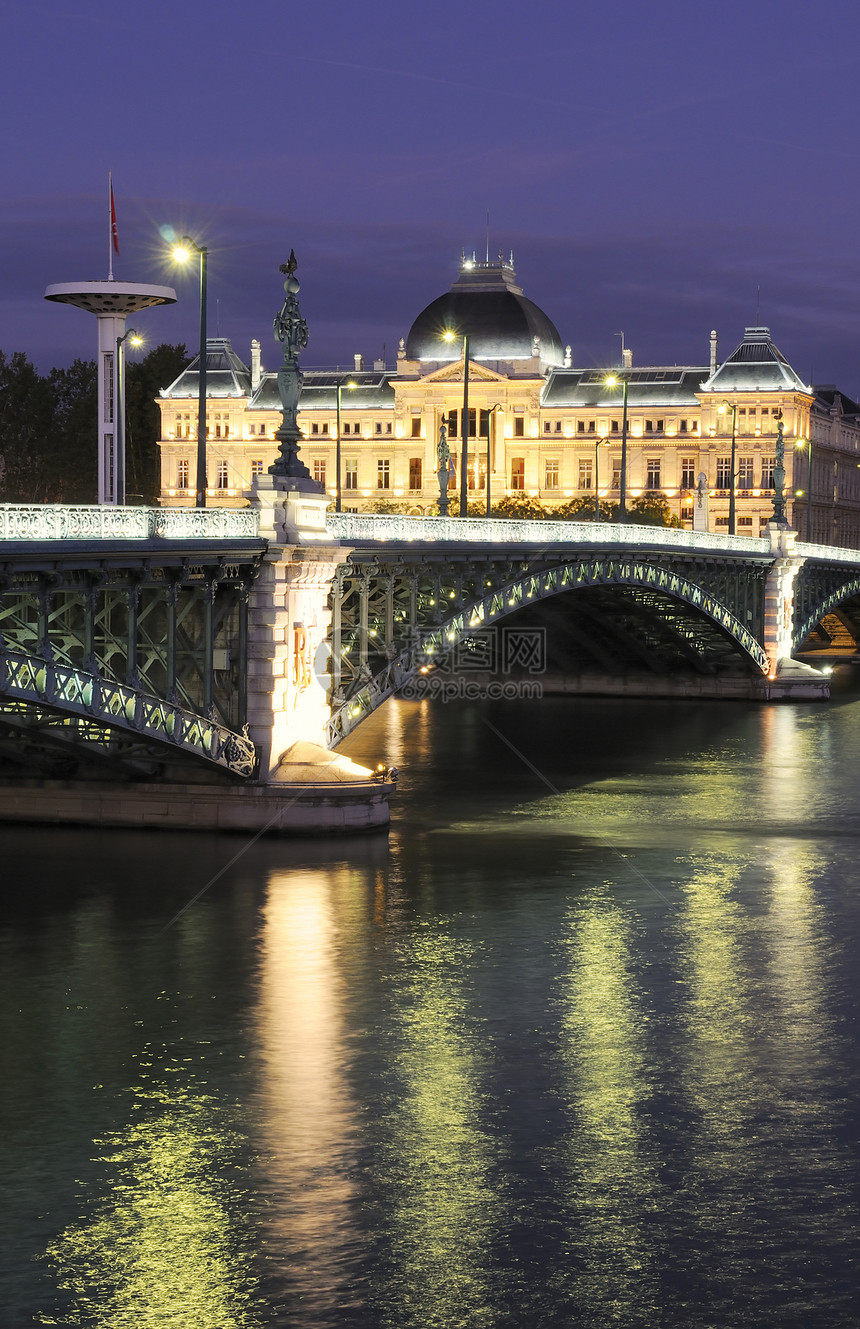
522 506
75 406
143 381
652 510
582 509
29 453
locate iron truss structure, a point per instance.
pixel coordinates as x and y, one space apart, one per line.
131 652
821 586
402 611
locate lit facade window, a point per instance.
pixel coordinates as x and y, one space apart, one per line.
182 473
652 473
688 471
415 469
551 474
518 472
724 472
586 471
383 473
319 470
350 474
768 465
745 472
222 475
256 465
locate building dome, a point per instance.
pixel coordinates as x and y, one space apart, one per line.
486 303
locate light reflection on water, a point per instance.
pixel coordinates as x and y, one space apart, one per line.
577 1058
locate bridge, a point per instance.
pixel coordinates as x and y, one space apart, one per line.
192 649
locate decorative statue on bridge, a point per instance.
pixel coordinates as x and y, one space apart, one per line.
446 466
291 329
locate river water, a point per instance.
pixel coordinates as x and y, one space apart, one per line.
575 1044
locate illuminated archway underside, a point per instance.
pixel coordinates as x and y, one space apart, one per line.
813 616
531 588
92 712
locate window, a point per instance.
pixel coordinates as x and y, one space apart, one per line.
547 426
479 480
552 426
688 472
686 512
682 426
484 425
653 426
616 472
722 521
350 474
551 473
183 426
614 427
580 426
388 426
108 384
414 472
652 473
694 426
221 473
222 424
592 426
452 421
745 521
383 473
416 426
745 472
519 429
585 473
767 468
315 429
319 470
324 428
256 465
518 471
182 470
724 473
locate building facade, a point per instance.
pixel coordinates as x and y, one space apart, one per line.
538 427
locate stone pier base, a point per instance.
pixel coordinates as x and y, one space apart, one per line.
300 809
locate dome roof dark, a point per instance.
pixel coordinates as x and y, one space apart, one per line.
486 303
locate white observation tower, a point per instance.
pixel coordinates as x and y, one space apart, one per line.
111 302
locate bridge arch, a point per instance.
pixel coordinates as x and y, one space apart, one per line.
86 709
818 601
532 587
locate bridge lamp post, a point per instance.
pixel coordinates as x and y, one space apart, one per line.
597 443
135 339
182 252
337 501
723 409
490 414
612 381
450 335
800 445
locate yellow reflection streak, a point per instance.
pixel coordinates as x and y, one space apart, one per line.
611 1166
162 1246
308 1116
439 1161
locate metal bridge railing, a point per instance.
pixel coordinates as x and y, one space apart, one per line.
481 530
58 521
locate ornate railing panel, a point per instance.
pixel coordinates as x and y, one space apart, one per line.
76 692
57 521
501 531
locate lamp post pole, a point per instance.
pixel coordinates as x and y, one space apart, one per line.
464 450
337 453
809 493
182 251
597 443
120 411
612 381
490 419
721 410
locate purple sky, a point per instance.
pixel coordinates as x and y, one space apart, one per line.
650 162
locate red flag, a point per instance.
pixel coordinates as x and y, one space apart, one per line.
113 230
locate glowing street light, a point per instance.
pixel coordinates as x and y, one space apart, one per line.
723 409
182 252
801 444
450 335
337 501
612 381
134 339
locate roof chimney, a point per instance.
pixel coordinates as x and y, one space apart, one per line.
359 363
627 358
714 340
256 365
379 366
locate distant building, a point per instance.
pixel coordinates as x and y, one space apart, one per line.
539 426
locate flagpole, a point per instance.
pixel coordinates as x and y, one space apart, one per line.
110 225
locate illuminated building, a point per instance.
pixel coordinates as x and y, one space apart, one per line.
539 427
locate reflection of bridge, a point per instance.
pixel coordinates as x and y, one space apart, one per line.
169 646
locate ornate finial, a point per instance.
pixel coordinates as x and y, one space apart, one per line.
445 465
290 266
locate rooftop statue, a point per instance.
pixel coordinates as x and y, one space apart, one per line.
291 329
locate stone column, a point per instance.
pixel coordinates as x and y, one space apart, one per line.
288 623
786 676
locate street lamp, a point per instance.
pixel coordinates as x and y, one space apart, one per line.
182 252
136 340
337 446
490 413
800 445
450 335
597 443
612 381
722 409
